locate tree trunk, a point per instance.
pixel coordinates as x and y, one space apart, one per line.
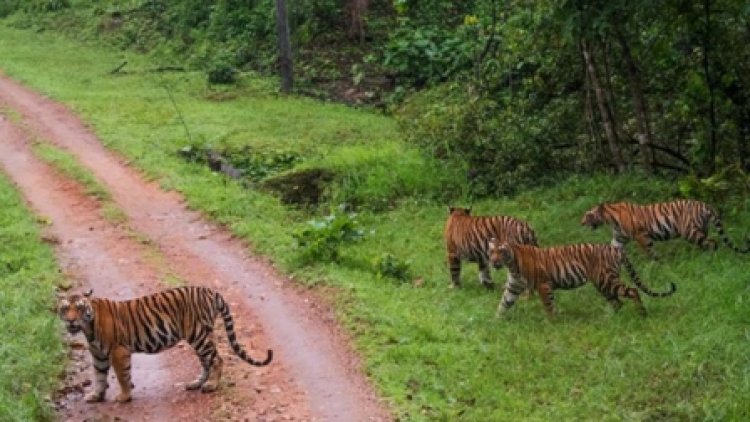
355 11
604 108
645 140
710 83
285 48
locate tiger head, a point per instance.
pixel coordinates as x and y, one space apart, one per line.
459 211
594 217
76 312
500 253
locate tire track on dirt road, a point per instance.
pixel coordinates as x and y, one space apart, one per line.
314 364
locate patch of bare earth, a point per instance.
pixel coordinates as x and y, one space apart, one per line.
315 374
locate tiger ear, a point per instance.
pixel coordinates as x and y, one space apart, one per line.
468 211
89 293
451 209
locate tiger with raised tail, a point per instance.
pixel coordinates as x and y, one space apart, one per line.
686 218
566 267
466 238
149 324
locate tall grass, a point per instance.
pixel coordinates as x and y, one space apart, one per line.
434 353
31 355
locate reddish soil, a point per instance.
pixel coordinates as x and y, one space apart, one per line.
315 374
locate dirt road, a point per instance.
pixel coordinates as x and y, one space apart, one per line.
314 376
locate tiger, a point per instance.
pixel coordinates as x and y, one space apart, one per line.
466 238
149 324
685 218
566 267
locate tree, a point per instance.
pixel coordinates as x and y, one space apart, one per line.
285 49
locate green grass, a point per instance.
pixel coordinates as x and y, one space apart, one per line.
434 353
31 353
68 165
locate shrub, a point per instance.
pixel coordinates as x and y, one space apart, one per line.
391 266
320 240
499 145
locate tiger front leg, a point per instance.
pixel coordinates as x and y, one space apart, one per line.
484 274
121 363
101 369
513 287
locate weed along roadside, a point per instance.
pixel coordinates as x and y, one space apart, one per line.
372 244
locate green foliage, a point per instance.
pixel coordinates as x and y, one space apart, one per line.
221 70
391 266
500 149
30 346
730 182
320 240
421 56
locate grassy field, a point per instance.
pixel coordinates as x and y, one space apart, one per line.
434 353
31 352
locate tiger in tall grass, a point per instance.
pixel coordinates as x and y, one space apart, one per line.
149 324
684 218
466 238
566 267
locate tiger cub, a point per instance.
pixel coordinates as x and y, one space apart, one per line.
685 218
150 324
566 267
466 238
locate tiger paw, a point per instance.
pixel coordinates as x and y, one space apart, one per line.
94 397
123 398
193 385
209 387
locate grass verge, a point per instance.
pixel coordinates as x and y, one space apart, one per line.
433 353
68 165
31 350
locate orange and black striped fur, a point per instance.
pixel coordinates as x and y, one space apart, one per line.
466 238
684 218
150 324
566 267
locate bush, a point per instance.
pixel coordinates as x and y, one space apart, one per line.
499 145
320 240
389 265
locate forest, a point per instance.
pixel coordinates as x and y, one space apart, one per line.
514 93
340 174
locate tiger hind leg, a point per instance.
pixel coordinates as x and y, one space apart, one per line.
454 266
613 290
211 364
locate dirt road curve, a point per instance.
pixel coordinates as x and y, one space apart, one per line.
314 376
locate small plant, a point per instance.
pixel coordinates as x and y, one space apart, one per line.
391 266
729 182
221 70
320 240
